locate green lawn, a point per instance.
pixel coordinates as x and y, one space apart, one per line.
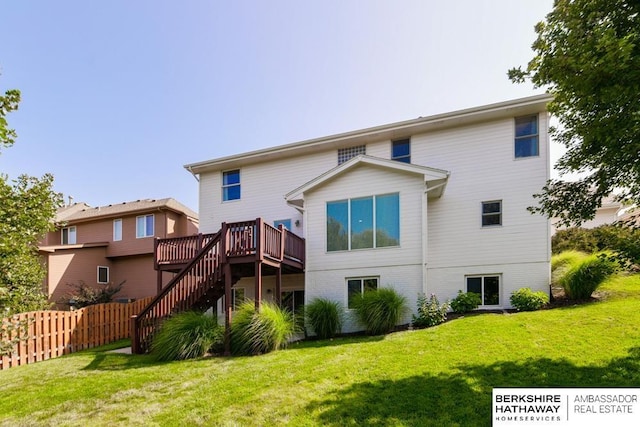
438 376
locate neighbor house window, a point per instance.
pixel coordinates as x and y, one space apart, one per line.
488 287
526 141
237 299
69 236
492 213
285 222
231 185
362 223
401 150
345 154
358 286
103 274
144 226
117 230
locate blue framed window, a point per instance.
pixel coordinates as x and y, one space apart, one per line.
231 185
363 223
526 141
401 150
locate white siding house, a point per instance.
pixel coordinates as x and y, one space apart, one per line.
431 205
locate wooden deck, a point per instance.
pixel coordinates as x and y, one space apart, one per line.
208 265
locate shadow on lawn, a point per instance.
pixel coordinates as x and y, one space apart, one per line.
463 398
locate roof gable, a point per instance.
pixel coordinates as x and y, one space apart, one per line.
435 179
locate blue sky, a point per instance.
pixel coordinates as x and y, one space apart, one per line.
118 95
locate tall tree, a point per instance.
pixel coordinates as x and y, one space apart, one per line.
587 53
27 208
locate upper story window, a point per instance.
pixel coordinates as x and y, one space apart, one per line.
69 235
117 230
362 223
492 213
401 150
345 154
144 226
526 141
231 185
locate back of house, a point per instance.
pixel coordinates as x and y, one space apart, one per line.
433 205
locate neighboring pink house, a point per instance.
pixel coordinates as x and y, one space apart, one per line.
111 244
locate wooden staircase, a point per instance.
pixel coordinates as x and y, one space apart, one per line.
208 265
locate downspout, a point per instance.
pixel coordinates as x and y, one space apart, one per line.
425 238
192 173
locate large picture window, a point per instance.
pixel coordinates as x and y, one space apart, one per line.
488 287
363 223
358 286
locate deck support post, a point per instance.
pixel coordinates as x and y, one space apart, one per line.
258 285
278 290
228 304
159 282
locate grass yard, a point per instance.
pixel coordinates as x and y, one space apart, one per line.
438 376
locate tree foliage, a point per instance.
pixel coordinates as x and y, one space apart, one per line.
27 209
587 53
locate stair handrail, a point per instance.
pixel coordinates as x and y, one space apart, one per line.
136 319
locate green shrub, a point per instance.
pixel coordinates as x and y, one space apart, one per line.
430 312
380 310
623 239
261 332
325 317
187 335
580 280
465 302
562 262
524 299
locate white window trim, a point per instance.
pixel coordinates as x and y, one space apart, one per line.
239 184
515 138
146 232
119 221
482 214
362 279
98 274
70 230
406 156
482 305
374 224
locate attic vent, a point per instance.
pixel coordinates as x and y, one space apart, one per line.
345 154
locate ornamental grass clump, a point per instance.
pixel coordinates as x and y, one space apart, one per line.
186 336
325 317
581 279
257 332
380 310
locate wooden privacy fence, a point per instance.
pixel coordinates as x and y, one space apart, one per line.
49 333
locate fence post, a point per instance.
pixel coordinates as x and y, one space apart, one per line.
135 339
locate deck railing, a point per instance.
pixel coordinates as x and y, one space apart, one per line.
200 258
180 294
